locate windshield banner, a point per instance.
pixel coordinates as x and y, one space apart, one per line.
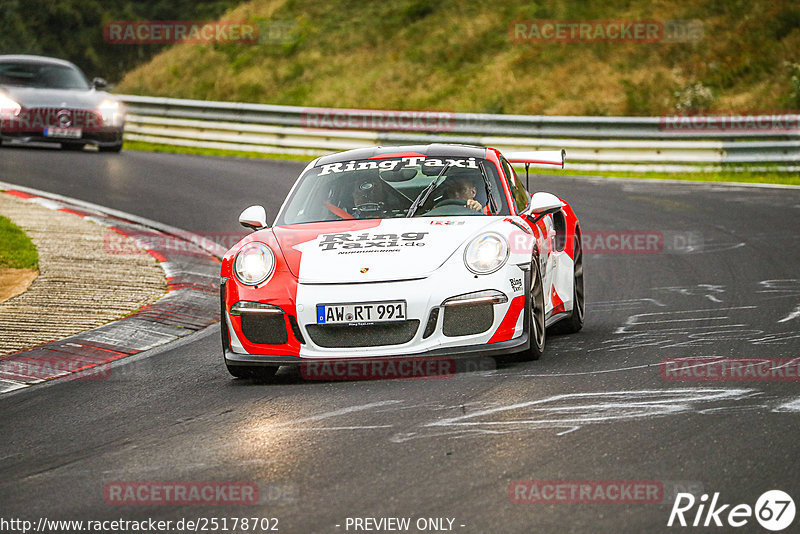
396 164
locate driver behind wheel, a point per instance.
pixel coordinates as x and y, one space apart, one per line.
369 196
461 187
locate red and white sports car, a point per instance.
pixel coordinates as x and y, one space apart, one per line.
419 251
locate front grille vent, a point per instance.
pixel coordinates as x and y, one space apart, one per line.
374 335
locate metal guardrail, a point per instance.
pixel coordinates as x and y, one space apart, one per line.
658 143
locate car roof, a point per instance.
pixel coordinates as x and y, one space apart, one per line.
36 59
432 150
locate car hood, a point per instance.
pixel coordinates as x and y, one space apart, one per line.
374 250
33 97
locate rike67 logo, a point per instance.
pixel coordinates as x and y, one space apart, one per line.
774 510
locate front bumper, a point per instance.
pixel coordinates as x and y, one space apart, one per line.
507 334
103 137
501 348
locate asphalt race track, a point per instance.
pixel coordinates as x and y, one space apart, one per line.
724 282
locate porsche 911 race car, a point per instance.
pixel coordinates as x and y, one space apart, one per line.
414 251
49 100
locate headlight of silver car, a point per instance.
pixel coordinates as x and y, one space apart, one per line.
486 253
112 111
254 263
8 108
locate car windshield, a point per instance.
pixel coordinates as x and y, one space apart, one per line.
396 188
42 75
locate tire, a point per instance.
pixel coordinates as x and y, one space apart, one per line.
574 322
536 327
72 146
258 373
112 148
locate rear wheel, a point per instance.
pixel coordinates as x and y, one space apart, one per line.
72 146
536 315
574 322
258 373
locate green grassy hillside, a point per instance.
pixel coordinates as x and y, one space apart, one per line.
458 56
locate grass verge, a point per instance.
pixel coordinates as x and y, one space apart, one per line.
17 251
173 149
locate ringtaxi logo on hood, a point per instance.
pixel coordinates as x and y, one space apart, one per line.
367 240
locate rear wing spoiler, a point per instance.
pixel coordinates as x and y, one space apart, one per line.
539 158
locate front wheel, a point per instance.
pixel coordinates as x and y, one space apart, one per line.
111 148
536 319
72 146
258 373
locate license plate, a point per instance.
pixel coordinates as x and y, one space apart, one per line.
363 312
71 133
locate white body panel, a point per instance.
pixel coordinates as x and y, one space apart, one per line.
422 275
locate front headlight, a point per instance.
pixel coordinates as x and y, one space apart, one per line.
254 263
8 108
486 253
112 112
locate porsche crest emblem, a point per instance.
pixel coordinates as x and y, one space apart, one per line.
364 270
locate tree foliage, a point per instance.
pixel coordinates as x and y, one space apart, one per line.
73 29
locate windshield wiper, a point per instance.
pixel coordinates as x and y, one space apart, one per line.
489 190
425 193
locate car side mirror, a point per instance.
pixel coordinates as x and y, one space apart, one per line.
99 83
254 217
542 204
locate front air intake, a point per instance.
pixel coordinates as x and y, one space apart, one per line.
470 313
374 335
467 319
263 324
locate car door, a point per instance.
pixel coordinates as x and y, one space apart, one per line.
543 230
